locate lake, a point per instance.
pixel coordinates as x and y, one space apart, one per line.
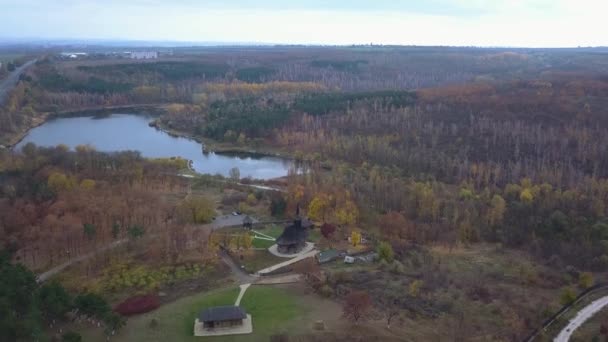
121 132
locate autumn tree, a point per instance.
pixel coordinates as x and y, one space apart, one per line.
498 207
328 230
58 182
318 207
355 238
393 225
356 306
385 252
347 213
196 209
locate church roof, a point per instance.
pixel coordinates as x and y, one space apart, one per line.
293 234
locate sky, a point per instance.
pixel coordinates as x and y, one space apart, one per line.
508 23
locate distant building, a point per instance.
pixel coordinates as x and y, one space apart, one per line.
327 256
73 55
144 55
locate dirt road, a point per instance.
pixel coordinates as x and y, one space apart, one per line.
46 275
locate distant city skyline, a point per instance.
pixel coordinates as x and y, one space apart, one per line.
514 23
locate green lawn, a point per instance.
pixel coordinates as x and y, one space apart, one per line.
257 260
274 231
273 311
262 243
271 230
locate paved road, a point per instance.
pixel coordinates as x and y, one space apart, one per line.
46 275
242 276
7 84
288 262
230 221
586 313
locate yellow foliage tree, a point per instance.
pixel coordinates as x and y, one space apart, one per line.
59 182
196 209
87 184
251 200
355 238
414 288
498 206
246 241
318 207
347 213
526 196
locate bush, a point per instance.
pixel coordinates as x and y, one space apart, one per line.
138 304
568 296
397 268
326 291
585 280
385 252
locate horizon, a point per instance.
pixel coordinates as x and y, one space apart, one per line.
445 23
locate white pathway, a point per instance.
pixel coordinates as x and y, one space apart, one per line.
288 262
274 250
580 318
244 288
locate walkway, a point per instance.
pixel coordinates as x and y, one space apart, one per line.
583 315
244 288
280 279
287 263
242 276
275 251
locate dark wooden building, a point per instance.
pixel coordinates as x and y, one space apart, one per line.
222 317
293 238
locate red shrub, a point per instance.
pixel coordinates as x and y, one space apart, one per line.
328 230
138 304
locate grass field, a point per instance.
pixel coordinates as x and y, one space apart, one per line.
257 260
273 311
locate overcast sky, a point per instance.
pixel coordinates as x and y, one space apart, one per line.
531 23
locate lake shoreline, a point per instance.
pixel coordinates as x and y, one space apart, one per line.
42 118
120 130
209 145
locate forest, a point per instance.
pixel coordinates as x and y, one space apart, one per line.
415 148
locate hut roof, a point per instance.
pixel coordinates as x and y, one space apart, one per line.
222 313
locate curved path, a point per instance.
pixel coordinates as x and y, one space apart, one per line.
583 315
7 84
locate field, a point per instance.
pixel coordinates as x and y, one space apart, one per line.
274 310
482 172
